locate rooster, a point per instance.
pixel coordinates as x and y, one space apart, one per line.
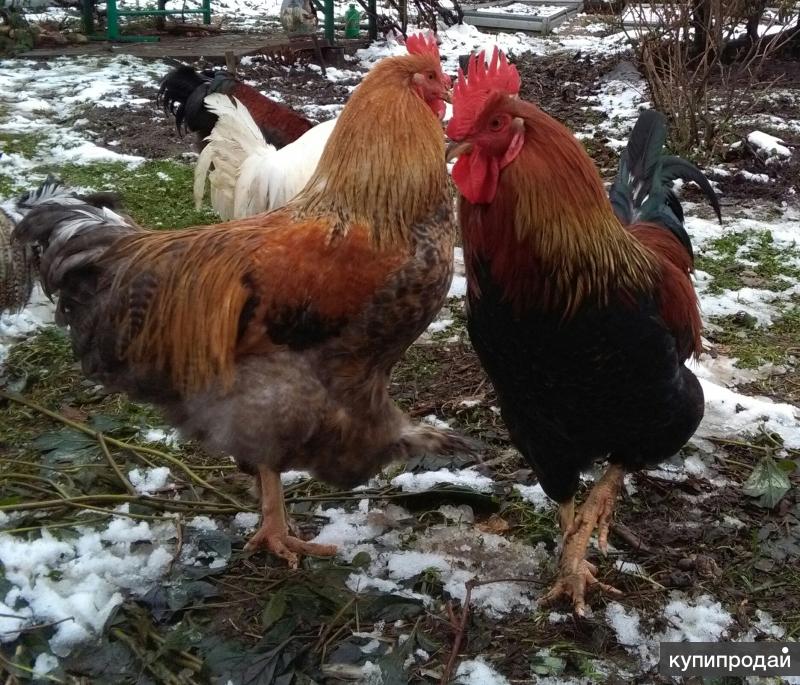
581 309
246 175
183 90
272 338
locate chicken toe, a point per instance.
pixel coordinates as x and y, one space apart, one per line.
274 532
573 586
576 574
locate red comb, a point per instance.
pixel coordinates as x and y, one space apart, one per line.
422 44
470 93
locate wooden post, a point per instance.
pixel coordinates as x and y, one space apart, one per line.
87 10
206 11
372 29
329 33
230 61
161 20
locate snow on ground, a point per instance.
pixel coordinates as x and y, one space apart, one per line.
700 619
82 579
520 8
18 326
772 147
38 99
478 672
455 553
149 480
78 581
764 305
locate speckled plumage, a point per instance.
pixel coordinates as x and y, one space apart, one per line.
17 269
272 338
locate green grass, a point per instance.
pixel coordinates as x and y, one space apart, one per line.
723 259
24 144
44 369
157 194
756 346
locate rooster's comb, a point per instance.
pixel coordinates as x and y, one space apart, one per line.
422 44
471 92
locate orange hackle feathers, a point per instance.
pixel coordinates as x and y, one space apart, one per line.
360 178
355 214
470 94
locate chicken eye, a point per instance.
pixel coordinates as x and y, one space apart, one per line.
496 124
431 76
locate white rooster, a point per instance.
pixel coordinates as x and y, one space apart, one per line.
247 175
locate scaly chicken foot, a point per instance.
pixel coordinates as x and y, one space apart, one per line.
274 532
576 574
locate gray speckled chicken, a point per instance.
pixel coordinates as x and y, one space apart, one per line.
272 338
17 268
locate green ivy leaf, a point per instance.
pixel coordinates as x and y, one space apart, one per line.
768 482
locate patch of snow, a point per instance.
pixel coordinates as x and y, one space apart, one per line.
771 146
625 624
148 480
407 564
203 523
479 672
170 437
699 620
733 521
619 99
439 325
79 581
535 495
419 482
731 415
44 664
39 312
292 477
457 553
246 520
435 421
458 288
628 567
521 8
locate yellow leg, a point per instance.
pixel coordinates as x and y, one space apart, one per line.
274 533
566 516
576 574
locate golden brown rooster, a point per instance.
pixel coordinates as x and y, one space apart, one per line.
272 338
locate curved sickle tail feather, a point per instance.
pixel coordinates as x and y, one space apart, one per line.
181 94
641 191
72 236
235 158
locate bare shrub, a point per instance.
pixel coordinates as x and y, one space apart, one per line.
685 46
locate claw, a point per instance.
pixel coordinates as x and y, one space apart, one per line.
286 546
574 586
274 532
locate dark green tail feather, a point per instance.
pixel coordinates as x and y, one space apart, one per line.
641 189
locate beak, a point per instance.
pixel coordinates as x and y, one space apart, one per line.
456 149
518 124
446 96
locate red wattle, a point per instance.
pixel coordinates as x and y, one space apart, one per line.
476 176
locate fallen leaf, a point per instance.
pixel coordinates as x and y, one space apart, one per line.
495 524
73 413
768 482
